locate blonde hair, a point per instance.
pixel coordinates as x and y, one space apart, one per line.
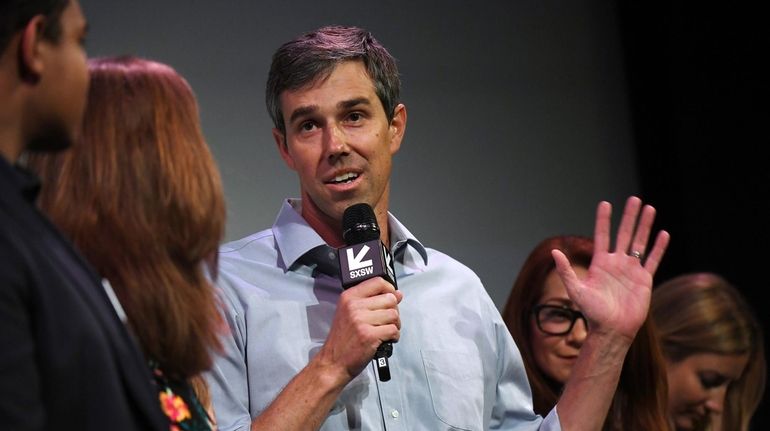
703 313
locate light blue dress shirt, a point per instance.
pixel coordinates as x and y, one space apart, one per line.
455 366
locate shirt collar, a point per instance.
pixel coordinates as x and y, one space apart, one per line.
21 179
295 238
400 238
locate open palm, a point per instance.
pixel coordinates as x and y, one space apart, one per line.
615 295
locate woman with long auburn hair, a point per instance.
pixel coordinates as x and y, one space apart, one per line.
549 332
140 195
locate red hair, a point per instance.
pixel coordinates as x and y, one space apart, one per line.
141 197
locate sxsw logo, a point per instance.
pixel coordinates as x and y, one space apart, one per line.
358 265
363 261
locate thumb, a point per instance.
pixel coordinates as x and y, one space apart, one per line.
566 273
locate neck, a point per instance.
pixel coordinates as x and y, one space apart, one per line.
330 229
12 96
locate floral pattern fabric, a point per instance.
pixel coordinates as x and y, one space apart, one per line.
180 404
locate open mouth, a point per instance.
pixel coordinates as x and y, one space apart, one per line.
343 178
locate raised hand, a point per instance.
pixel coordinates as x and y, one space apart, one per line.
615 295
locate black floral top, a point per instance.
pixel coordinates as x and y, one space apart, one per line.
180 404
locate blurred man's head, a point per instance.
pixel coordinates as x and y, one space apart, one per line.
16 14
44 73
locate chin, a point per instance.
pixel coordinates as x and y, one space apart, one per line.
684 423
50 140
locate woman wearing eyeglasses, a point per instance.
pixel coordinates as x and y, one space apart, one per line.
549 331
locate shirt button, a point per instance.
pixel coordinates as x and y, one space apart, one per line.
395 414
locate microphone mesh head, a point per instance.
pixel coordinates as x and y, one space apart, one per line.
359 224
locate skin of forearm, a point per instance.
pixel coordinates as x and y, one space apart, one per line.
306 401
587 396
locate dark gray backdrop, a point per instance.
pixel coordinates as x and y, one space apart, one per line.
518 119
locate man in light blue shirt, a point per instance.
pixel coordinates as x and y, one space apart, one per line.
300 349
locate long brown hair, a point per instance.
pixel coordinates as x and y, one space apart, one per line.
141 197
704 313
639 403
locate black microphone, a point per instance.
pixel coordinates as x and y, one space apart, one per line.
365 257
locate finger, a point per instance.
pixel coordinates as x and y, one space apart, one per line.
399 295
371 287
656 254
566 273
602 227
388 316
627 224
642 234
387 332
380 302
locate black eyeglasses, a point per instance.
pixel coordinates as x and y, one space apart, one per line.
557 319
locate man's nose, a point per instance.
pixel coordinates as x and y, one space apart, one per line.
336 142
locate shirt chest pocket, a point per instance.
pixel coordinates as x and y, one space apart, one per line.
456 384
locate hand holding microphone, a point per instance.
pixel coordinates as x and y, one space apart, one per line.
366 257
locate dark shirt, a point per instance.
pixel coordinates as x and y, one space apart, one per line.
66 360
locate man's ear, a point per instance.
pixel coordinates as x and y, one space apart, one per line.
283 149
31 62
397 128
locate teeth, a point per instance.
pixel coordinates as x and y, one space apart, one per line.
345 177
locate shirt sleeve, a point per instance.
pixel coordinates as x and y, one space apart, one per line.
228 378
513 408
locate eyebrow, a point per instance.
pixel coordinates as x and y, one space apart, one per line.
302 111
345 104
559 302
354 102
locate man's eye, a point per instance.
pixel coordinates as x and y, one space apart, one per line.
355 116
307 126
